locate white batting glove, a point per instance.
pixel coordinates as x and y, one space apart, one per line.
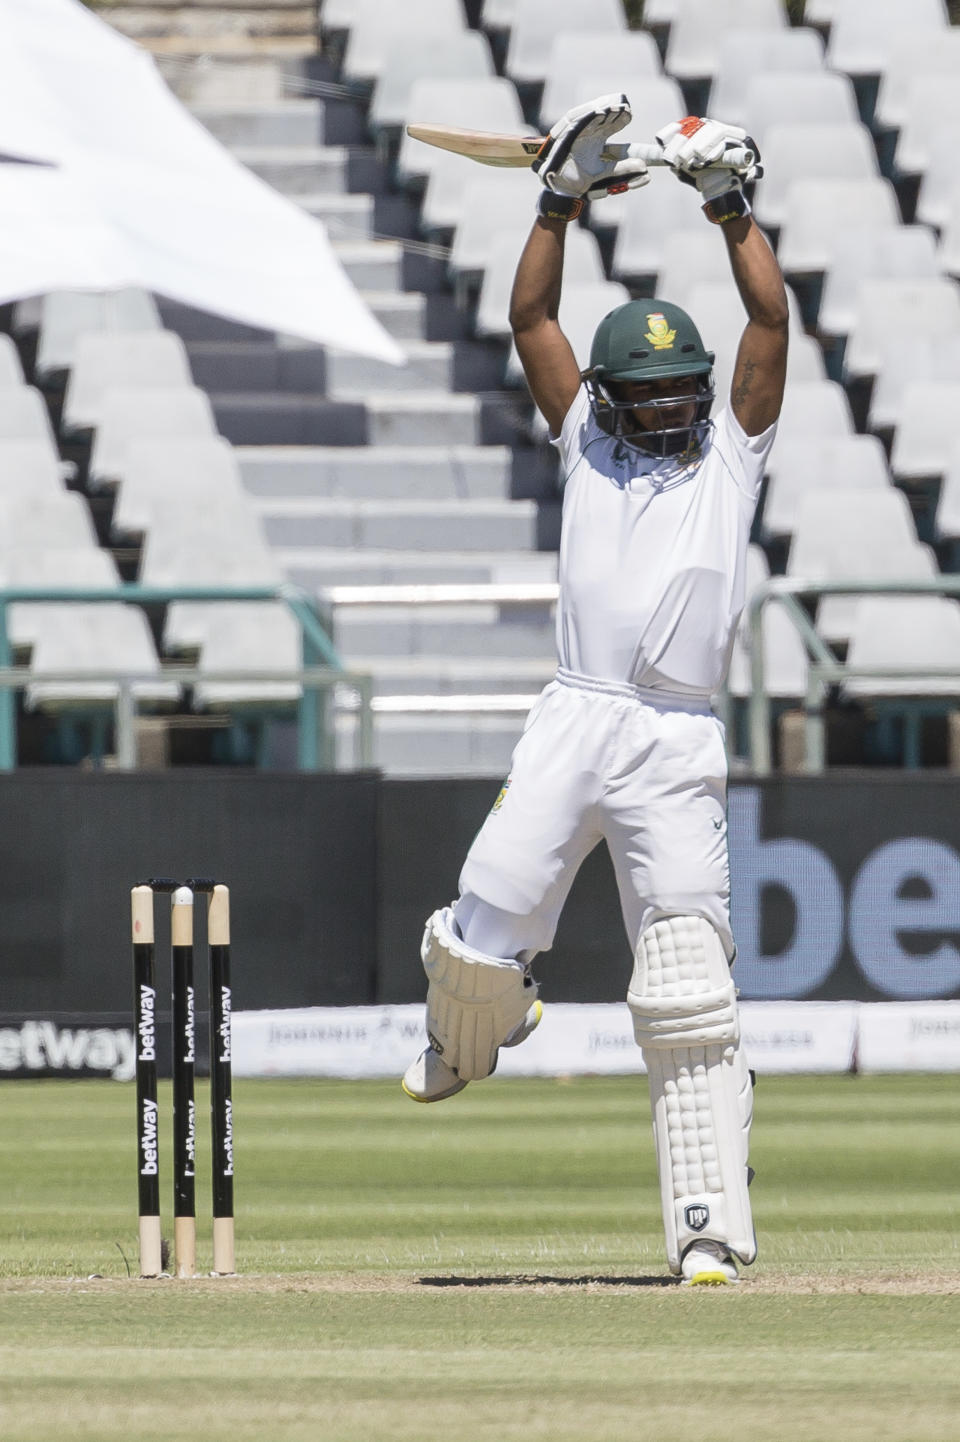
571 161
696 148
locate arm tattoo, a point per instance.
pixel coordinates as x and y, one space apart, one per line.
746 383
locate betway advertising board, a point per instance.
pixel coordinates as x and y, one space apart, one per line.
847 888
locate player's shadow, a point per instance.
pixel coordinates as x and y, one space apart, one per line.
536 1279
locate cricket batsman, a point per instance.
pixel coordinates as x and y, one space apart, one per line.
622 746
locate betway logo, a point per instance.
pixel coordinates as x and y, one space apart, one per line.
148 1140
148 1032
43 1046
223 1031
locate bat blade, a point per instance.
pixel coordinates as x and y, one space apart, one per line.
484 146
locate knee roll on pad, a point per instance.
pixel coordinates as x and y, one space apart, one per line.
684 1008
474 1001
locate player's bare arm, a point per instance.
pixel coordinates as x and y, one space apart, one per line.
702 153
572 167
545 353
759 375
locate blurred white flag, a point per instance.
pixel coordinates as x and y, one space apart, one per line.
107 181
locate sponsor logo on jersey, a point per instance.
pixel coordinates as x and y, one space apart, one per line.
696 1216
660 336
500 795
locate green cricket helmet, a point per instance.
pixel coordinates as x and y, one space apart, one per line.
650 340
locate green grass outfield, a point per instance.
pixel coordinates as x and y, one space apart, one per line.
486 1270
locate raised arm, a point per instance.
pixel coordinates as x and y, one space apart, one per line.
695 148
756 393
571 167
545 353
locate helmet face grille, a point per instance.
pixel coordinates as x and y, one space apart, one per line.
650 340
618 418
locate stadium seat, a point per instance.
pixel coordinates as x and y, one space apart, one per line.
794 152
853 535
29 467
173 479
931 106
245 638
376 25
67 314
924 360
787 98
24 416
456 55
815 211
939 184
89 637
698 27
912 310
948 251
867 253
492 202
131 359
657 212
58 519
865 34
78 567
129 415
584 63
915 635
917 56
490 105
537 22
11 371
800 463
947 518
582 262
744 54
926 437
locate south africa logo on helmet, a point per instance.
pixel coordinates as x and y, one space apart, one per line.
648 340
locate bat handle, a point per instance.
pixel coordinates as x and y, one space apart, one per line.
740 158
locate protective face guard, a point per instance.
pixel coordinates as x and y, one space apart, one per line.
679 441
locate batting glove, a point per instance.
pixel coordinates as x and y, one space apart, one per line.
572 160
711 155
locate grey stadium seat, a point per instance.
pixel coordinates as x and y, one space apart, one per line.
795 152
67 314
585 63
537 22
131 359
130 415
700 25
171 478
799 463
743 54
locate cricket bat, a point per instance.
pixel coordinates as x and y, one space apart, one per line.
487 147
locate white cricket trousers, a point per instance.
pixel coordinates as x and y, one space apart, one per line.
643 771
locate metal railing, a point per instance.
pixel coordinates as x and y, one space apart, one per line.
824 668
319 674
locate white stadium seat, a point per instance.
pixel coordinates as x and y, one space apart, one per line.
700 25
376 25
489 104
913 310
537 22
801 463
795 152
906 252
787 98
918 55
815 211
865 34
926 437
458 55
132 359
743 54
582 262
585 63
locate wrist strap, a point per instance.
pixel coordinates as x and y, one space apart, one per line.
732 205
559 207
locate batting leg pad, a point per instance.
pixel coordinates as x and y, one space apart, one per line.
684 1007
474 1002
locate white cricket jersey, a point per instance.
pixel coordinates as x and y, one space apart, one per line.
652 556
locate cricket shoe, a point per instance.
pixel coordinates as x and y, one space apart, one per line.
708 1264
429 1079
